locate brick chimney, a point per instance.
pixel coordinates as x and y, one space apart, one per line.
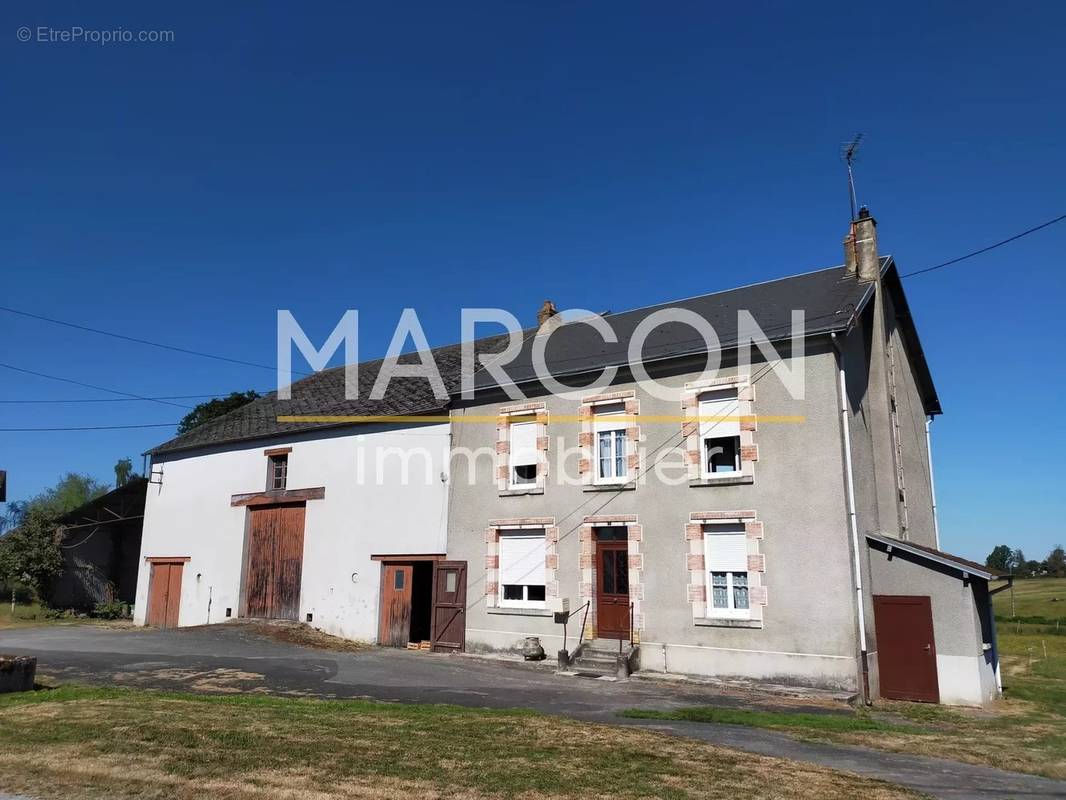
864 235
546 314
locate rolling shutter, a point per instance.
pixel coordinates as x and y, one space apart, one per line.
523 443
718 404
522 558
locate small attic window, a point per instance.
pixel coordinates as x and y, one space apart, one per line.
278 473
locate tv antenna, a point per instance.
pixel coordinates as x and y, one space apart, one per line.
848 152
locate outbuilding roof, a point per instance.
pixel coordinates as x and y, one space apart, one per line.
938 556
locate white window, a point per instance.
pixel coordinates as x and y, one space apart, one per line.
522 569
719 432
610 443
726 558
523 453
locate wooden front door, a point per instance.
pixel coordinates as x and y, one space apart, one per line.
612 589
906 649
395 625
275 561
164 594
449 607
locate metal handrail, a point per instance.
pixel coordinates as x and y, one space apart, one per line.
581 635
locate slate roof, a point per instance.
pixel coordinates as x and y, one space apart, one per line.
828 299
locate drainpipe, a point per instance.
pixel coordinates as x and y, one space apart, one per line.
853 525
932 487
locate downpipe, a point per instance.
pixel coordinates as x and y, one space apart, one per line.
932 486
853 525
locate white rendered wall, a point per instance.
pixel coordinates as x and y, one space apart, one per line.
190 514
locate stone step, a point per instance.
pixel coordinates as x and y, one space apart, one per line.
598 659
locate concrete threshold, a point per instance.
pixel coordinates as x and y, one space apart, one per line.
775 689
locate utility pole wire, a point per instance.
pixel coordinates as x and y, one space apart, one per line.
92 386
986 249
91 428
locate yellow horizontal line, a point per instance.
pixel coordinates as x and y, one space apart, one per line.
493 418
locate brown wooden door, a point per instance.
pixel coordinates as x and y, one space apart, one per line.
449 606
164 594
275 561
395 627
612 589
906 649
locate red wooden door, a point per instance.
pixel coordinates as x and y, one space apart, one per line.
906 649
612 589
449 607
275 561
164 594
395 625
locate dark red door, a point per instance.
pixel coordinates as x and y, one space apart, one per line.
275 561
612 589
449 606
906 650
395 626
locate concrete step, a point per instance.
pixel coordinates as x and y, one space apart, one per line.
599 659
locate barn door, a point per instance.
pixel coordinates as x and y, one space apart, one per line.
395 625
906 650
164 594
449 607
275 561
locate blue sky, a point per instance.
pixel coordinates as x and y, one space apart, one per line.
604 155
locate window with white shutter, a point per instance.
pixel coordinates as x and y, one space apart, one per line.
523 453
719 432
726 562
522 583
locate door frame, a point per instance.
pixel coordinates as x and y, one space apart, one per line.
401 559
170 561
619 546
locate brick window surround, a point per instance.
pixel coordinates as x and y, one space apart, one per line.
690 429
492 555
587 438
636 567
694 559
524 412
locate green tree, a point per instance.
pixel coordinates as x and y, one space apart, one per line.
1000 558
1056 562
123 472
213 409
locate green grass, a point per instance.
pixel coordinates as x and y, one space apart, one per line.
120 743
770 719
25 614
1043 598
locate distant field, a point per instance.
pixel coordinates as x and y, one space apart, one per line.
1035 597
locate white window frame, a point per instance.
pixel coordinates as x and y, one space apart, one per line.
521 419
711 567
618 431
525 602
710 406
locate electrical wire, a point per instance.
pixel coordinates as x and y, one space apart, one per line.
91 428
985 249
120 399
128 395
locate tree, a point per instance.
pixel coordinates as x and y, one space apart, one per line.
1033 568
1056 562
123 472
1000 558
1017 561
213 409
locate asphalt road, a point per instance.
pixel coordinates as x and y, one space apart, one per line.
227 658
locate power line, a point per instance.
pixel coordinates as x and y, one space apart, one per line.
90 428
124 399
136 340
986 249
128 395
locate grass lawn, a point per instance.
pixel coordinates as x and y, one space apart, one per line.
30 614
1034 597
1025 732
80 742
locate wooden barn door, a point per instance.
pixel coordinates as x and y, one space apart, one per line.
395 622
275 561
906 650
449 607
164 594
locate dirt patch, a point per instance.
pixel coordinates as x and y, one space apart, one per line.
297 633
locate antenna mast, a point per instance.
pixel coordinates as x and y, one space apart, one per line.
848 152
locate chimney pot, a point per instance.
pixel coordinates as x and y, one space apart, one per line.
868 262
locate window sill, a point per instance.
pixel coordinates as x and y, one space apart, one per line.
724 622
729 480
610 487
520 612
521 492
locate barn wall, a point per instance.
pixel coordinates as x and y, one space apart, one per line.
189 514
